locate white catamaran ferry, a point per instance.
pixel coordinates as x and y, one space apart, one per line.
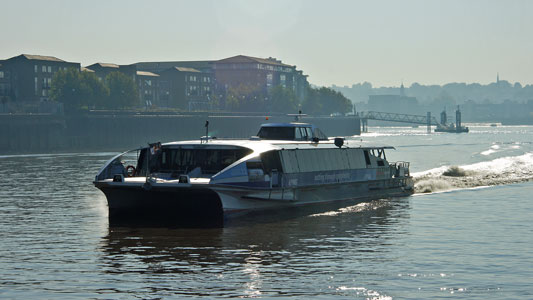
285 165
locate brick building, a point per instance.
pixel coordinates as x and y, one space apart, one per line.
103 69
205 66
184 84
189 85
185 88
148 87
5 83
28 78
261 73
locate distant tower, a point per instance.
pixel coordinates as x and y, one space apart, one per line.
402 90
443 117
498 77
458 119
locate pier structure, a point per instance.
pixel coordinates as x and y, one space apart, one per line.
427 120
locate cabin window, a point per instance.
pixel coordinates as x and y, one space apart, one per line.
190 161
271 161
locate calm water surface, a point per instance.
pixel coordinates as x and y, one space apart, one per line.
463 241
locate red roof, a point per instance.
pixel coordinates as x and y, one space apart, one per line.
251 59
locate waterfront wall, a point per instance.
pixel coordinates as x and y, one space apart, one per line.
116 132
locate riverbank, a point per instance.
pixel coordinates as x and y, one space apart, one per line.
108 131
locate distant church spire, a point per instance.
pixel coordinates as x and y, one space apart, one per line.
497 77
402 90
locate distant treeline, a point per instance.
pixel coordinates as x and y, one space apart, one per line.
81 91
448 94
317 101
495 102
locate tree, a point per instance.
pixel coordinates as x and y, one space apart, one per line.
77 90
244 98
326 101
283 100
99 92
69 88
312 104
122 91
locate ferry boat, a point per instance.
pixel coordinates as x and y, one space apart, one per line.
285 165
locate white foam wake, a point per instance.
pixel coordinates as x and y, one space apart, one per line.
505 170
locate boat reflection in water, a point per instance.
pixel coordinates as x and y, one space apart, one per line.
247 257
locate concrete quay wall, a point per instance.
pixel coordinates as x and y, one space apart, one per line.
109 132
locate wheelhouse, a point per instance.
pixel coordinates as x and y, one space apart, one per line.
291 132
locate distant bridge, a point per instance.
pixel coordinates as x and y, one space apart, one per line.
401 118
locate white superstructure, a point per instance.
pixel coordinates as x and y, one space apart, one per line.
287 164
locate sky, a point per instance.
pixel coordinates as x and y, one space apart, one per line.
333 42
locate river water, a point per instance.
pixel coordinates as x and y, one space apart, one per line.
467 236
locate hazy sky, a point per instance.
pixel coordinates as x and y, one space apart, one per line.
334 42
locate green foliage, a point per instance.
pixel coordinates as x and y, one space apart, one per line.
122 91
214 102
283 100
244 98
81 90
69 88
312 104
325 101
99 92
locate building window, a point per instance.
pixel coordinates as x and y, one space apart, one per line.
269 79
282 80
1 74
43 69
35 68
49 69
36 86
47 82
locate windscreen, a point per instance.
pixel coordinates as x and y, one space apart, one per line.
205 161
276 133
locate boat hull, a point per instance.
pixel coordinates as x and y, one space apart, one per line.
162 206
209 205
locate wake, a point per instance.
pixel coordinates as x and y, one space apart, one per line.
505 170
